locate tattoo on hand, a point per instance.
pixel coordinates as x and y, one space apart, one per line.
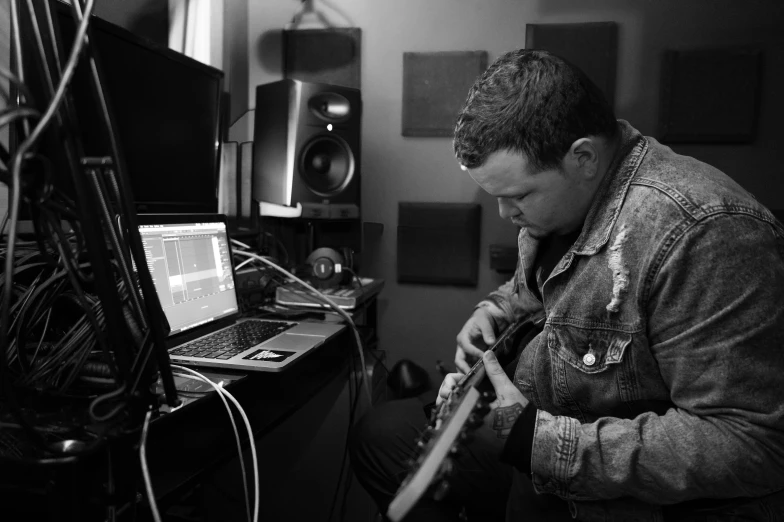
504 418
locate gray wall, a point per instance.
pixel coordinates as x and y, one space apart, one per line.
420 322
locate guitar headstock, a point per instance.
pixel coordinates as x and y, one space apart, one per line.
452 425
439 448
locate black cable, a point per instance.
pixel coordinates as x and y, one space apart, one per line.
380 361
41 48
3 224
21 333
81 298
10 115
278 243
114 237
5 157
52 36
18 83
347 487
21 155
42 234
339 481
47 181
43 335
17 47
354 396
354 276
159 325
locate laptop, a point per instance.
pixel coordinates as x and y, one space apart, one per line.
190 260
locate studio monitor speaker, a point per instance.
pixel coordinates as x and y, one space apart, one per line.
307 147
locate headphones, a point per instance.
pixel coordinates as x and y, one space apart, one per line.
329 268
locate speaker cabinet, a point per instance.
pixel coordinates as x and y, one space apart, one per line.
307 147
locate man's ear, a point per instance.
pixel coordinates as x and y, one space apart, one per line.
583 157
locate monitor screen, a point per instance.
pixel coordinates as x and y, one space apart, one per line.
166 108
190 265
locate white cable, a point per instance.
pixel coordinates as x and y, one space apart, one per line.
325 299
240 243
236 437
224 391
249 260
145 471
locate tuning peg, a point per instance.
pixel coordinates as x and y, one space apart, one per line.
475 419
457 450
441 489
447 466
465 437
487 397
481 413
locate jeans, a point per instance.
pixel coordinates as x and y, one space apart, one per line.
383 443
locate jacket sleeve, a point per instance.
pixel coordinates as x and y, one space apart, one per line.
715 312
510 302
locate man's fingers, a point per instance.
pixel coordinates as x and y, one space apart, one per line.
495 372
472 350
460 362
447 386
506 392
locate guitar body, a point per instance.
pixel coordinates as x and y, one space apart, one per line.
463 411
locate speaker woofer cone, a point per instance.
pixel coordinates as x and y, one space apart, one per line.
326 164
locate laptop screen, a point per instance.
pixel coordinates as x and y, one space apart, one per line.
190 264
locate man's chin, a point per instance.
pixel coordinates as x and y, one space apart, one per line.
535 233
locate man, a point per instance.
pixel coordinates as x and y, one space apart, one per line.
655 390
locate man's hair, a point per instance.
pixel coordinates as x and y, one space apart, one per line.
530 102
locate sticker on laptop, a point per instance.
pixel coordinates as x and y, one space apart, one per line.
268 355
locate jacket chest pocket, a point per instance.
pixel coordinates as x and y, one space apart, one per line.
591 372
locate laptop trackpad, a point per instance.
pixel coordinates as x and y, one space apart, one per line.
317 329
293 342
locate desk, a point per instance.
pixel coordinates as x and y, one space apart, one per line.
300 419
302 411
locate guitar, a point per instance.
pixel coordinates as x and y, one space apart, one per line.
452 422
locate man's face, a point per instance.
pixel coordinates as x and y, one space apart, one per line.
553 201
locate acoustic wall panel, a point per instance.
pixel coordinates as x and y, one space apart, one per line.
435 86
438 243
591 46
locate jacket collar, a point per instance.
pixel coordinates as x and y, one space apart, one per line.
611 193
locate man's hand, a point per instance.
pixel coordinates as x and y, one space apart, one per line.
450 381
509 402
477 334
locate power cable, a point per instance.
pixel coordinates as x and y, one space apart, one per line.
325 300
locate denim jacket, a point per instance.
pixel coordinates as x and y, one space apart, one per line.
659 375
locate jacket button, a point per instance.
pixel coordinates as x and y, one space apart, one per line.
589 359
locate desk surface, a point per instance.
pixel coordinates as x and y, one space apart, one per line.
187 442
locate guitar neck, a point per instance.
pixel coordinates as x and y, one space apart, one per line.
477 372
462 411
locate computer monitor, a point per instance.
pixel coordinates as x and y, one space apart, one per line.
167 112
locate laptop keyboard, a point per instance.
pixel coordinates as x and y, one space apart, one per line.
233 340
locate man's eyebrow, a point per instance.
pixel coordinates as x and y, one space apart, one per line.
511 193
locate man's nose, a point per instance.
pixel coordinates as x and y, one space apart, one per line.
505 209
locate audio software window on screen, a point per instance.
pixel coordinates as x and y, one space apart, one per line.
190 266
